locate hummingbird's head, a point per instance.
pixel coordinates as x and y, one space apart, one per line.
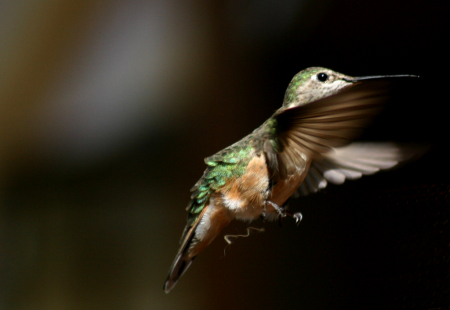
316 83
313 84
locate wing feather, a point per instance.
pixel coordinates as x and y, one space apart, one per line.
315 128
355 160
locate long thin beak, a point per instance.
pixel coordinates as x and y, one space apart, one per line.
374 77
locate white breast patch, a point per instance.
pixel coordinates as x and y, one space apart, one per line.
232 204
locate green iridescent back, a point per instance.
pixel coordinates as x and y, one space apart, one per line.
222 167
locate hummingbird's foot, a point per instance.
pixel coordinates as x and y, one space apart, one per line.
281 211
296 216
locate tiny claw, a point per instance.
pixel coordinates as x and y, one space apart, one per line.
298 218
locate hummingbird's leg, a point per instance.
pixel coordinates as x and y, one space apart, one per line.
283 212
280 211
263 213
296 216
284 207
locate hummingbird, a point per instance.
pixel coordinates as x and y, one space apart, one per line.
304 145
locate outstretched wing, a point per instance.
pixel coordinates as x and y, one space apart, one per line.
353 161
315 128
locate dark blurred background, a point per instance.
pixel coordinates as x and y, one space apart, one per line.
108 109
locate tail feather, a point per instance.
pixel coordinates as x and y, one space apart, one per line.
184 257
196 237
179 267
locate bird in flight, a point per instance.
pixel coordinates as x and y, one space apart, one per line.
304 145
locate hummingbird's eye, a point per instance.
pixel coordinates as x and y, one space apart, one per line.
322 77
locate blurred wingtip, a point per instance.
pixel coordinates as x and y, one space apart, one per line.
413 151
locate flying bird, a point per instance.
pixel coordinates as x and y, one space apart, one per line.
303 146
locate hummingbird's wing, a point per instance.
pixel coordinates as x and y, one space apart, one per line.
355 160
315 128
